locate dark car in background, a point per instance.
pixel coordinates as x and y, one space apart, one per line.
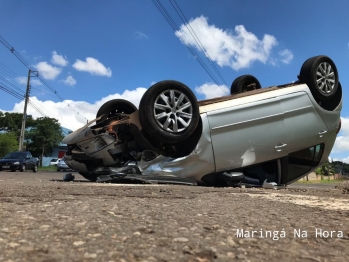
21 160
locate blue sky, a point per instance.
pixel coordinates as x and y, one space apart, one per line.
92 51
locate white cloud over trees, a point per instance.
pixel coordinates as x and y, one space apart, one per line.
74 114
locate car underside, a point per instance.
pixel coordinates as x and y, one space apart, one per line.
253 137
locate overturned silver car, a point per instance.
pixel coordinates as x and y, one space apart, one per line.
252 137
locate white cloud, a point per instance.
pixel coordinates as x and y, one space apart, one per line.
23 81
59 59
93 66
342 141
238 49
212 90
48 71
74 114
140 35
346 160
286 55
70 81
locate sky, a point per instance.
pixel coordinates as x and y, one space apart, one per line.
89 52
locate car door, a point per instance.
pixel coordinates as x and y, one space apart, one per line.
305 128
29 164
248 133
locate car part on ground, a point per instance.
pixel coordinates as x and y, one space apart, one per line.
244 83
68 177
254 138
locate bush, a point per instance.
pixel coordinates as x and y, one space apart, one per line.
8 143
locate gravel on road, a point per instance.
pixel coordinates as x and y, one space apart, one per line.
45 219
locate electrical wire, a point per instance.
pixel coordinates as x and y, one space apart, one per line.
176 28
7 81
196 38
11 84
192 50
24 62
11 92
21 97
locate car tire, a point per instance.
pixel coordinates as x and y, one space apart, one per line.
58 170
35 169
13 170
244 83
22 168
88 177
112 107
321 75
169 112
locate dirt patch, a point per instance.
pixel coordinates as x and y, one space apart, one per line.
328 203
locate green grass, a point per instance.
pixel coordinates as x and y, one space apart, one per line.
323 181
47 168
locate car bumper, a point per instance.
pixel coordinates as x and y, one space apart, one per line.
64 168
9 167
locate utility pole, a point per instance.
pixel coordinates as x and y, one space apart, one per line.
21 138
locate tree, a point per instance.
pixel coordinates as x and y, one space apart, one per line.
12 122
43 136
325 170
8 143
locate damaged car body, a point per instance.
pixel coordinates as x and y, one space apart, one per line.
252 137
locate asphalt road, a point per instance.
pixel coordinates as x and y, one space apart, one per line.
45 219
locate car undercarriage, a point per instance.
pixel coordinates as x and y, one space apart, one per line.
173 138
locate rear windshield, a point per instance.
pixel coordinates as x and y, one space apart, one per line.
16 155
54 160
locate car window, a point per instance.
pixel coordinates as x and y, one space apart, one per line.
300 162
15 155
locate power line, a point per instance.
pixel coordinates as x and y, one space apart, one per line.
11 92
7 70
10 86
192 50
24 62
176 28
37 108
196 38
15 94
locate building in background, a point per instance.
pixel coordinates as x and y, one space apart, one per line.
59 151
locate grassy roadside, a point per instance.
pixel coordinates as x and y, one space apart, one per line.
47 168
323 181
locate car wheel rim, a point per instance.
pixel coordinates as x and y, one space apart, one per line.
325 78
173 111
